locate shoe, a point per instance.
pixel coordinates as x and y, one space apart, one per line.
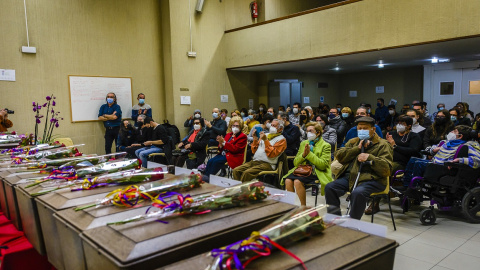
374 206
223 173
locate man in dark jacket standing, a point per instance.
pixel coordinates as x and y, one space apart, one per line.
381 114
292 135
373 178
217 127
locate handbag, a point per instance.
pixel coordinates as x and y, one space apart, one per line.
303 170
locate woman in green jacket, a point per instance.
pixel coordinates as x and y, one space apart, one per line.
314 152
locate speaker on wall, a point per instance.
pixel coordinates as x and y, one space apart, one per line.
199 6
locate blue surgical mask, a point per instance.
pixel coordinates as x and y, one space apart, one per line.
363 134
250 116
441 108
331 116
242 114
215 115
344 115
270 113
110 100
141 101
454 118
369 111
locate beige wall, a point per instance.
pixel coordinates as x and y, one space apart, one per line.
80 37
364 25
402 84
280 8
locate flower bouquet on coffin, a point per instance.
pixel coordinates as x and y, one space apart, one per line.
235 196
7 138
297 225
7 154
63 152
132 195
70 174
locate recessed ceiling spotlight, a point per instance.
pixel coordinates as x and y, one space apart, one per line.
434 60
381 65
444 60
336 68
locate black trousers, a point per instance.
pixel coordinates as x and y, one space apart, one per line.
111 134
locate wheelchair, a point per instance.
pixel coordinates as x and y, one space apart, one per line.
449 186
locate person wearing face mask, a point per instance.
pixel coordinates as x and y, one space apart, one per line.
381 114
310 113
111 115
267 123
244 114
155 144
325 109
143 133
231 149
445 151
348 116
217 127
251 120
141 108
197 114
373 178
439 130
295 116
329 134
195 142
464 112
391 118
417 117
281 109
422 120
271 111
262 110
440 106
457 117
291 133
369 109
126 136
352 133
302 125
314 153
266 150
336 122
224 115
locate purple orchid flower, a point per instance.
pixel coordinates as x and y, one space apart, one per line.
38 121
53 103
57 125
45 105
48 97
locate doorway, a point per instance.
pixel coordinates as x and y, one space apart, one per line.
284 93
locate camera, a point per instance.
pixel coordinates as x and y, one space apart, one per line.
9 111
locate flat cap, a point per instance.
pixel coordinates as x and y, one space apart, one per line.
365 119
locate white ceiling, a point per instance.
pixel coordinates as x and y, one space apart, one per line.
457 51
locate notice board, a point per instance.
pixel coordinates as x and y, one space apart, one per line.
88 93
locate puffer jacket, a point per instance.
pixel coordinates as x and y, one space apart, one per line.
340 126
380 153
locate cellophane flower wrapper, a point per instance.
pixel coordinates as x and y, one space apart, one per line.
6 139
132 195
76 162
7 154
240 195
297 225
63 152
71 174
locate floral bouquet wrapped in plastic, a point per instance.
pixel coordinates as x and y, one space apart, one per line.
235 196
63 152
8 138
297 225
132 195
69 173
29 150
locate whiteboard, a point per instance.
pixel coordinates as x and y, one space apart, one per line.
87 94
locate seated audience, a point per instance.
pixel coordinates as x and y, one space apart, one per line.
262 110
196 143
464 111
391 118
189 122
142 134
217 127
373 178
440 107
224 115
457 117
295 116
438 131
266 150
304 120
417 117
251 120
271 111
267 122
126 136
155 144
292 134
231 149
310 113
244 114
422 120
348 117
352 133
336 122
313 152
329 134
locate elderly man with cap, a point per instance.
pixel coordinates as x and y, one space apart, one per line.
189 122
373 177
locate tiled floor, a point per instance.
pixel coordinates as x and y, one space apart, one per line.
452 243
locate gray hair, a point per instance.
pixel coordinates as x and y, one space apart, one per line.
143 116
281 124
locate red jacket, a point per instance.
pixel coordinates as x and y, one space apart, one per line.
235 149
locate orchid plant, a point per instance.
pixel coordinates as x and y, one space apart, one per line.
50 124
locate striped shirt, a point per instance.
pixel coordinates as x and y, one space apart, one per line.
446 154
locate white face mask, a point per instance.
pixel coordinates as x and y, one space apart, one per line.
197 127
414 120
197 115
268 125
391 112
273 130
235 130
400 128
295 110
311 136
451 136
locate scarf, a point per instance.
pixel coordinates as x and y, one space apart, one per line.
271 136
454 143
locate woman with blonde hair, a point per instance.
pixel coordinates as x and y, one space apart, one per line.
312 164
231 149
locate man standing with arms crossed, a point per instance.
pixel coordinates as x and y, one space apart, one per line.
111 115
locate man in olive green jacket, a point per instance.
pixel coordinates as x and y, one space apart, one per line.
373 178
